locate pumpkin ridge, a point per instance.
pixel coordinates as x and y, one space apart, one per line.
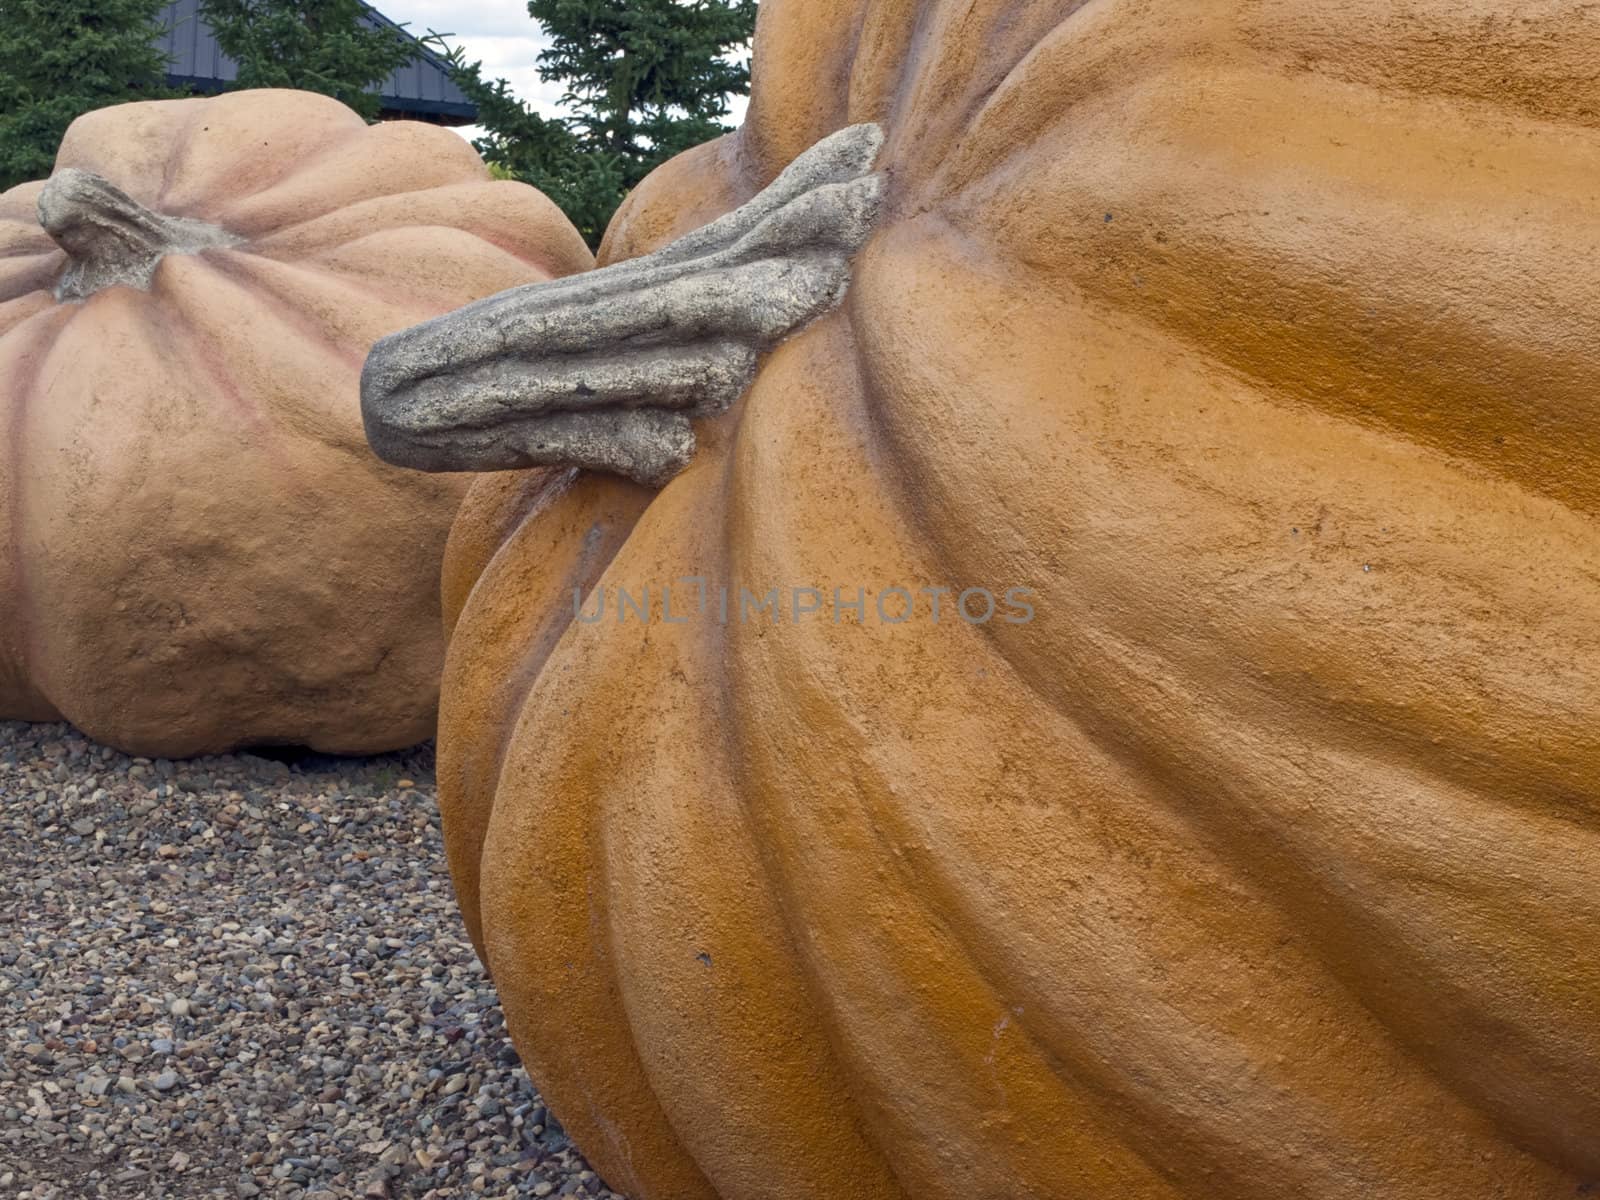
17 312
1245 284
299 415
170 170
1090 1089
519 679
328 273
930 63
1301 891
506 501
731 710
554 268
385 140
1423 730
1280 817
866 297
869 94
1095 1100
510 240
1345 712
1140 745
1343 715
744 717
186 343
785 884
600 965
180 161
861 18
22 250
27 380
239 266
612 955
1458 54
664 515
19 206
1175 787
27 280
967 160
277 283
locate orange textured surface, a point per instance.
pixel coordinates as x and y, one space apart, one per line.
197 548
1261 340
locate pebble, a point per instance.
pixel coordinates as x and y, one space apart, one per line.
271 944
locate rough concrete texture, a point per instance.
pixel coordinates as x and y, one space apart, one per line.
606 371
197 548
1260 339
111 239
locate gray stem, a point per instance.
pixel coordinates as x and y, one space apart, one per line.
605 370
110 238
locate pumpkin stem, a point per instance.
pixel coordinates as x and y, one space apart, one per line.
110 238
605 370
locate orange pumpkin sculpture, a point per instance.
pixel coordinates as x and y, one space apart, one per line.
198 549
1259 340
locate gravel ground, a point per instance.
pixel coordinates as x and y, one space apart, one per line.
246 977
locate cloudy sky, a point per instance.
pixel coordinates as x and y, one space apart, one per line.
500 34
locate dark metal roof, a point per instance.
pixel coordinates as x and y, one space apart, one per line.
422 91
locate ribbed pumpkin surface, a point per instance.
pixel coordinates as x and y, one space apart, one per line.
197 548
1262 341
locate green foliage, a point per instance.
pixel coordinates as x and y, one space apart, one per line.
519 144
62 58
645 80
314 45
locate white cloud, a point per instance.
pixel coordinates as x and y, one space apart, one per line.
515 59
501 35
502 18
498 33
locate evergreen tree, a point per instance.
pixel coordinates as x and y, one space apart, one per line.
62 58
314 45
519 144
645 80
